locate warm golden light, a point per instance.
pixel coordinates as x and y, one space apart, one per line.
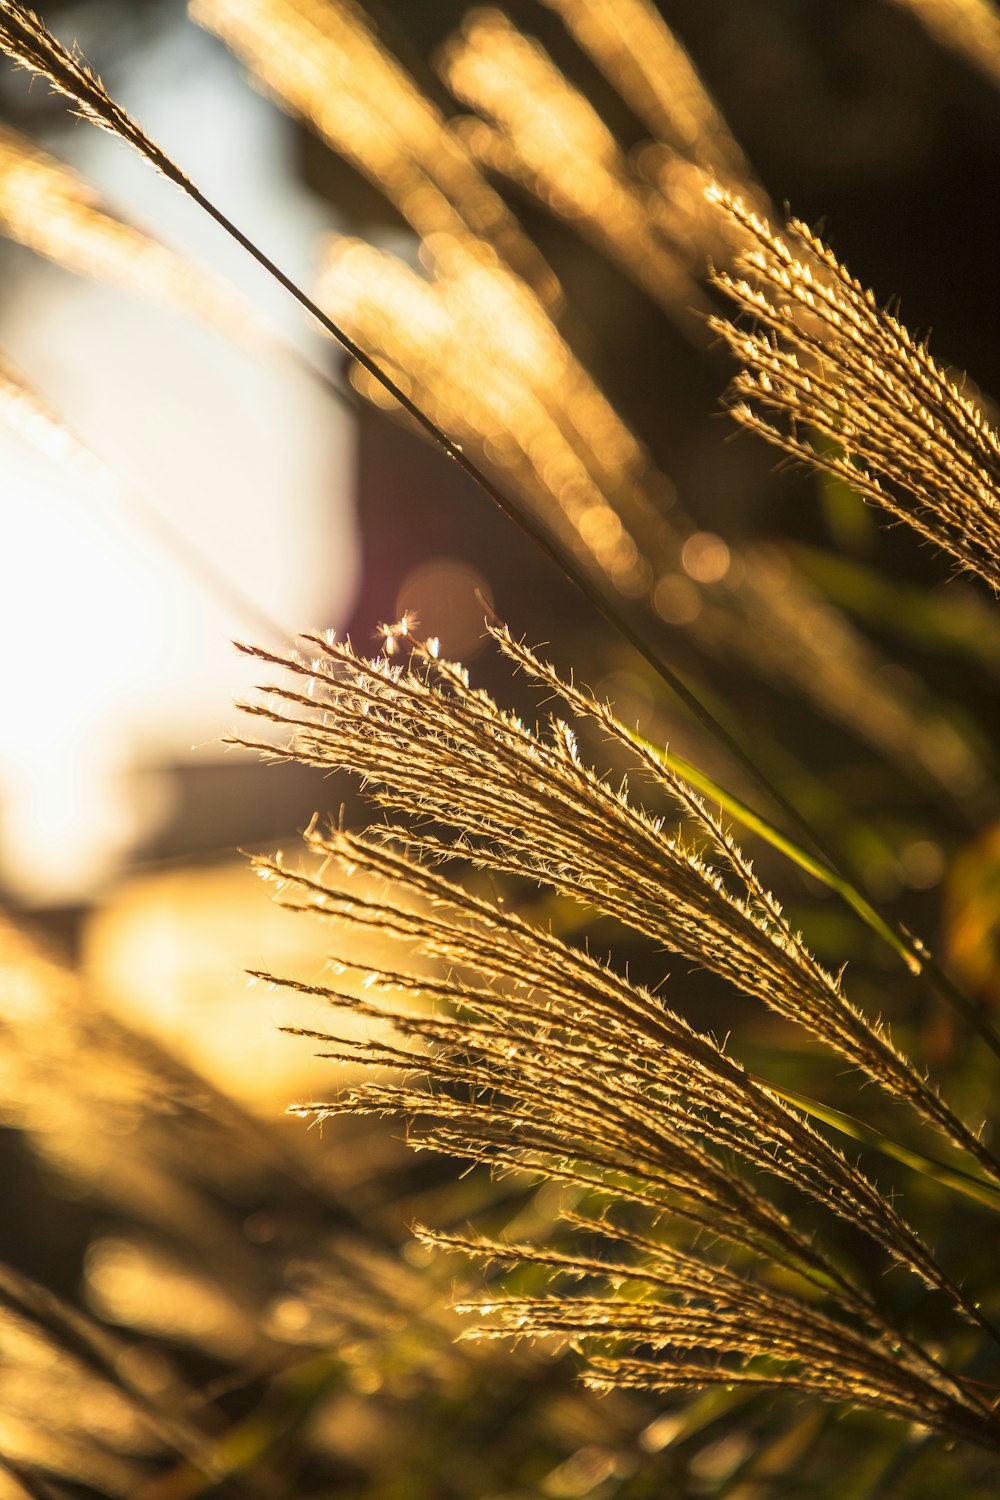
47 207
698 1118
632 44
445 334
168 954
969 27
552 139
321 60
139 1284
474 343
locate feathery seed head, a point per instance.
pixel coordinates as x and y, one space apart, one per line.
838 382
25 38
476 784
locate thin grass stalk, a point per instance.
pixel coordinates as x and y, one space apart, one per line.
487 363
898 430
323 64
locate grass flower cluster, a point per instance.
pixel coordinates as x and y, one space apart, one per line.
536 1056
836 381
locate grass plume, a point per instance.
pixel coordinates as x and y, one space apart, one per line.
517 804
299 1320
839 383
476 344
710 1231
655 1318
24 37
524 1053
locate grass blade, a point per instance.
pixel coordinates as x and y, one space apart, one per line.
748 818
954 1178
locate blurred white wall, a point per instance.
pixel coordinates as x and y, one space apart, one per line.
112 652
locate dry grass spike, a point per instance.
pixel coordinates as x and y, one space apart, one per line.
838 382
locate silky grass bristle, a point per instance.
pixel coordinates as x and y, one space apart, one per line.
656 1318
522 1053
514 802
24 37
838 382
